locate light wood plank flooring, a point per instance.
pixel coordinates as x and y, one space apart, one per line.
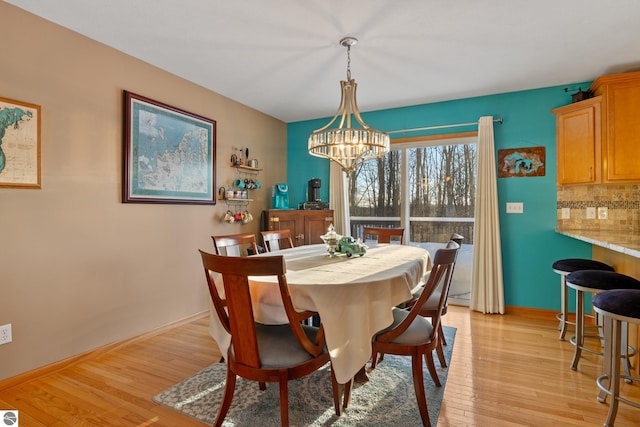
506 370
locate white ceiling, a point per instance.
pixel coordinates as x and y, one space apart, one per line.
283 57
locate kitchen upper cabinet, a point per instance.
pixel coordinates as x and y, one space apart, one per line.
598 140
620 126
578 142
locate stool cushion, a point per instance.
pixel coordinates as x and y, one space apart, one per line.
576 264
604 280
623 302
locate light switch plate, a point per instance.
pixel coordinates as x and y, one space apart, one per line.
515 207
591 213
566 213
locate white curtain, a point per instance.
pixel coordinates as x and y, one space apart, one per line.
487 288
339 199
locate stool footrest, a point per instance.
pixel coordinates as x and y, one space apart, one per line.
572 340
568 322
631 351
605 389
572 322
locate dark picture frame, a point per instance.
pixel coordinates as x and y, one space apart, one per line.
20 145
169 154
521 162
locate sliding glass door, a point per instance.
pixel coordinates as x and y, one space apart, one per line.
427 187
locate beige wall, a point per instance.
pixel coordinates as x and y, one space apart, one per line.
78 268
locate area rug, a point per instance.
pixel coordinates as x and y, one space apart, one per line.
387 399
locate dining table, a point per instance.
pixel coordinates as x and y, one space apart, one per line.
353 296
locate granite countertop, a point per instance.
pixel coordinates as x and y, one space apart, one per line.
626 243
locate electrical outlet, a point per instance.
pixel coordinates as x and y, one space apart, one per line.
5 334
515 207
591 213
603 212
566 213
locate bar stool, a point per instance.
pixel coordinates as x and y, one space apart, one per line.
563 267
618 308
595 281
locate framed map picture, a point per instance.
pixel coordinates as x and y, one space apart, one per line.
19 144
521 162
169 154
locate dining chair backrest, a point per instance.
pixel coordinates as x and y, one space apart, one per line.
457 238
276 240
235 244
383 235
446 287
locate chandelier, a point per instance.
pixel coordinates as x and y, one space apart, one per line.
346 145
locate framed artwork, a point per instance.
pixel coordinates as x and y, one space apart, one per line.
19 144
521 162
169 154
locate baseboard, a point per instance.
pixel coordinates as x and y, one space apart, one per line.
538 313
62 364
518 311
531 312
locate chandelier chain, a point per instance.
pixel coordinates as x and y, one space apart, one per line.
348 62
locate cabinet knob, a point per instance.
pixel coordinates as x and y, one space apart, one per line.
299 236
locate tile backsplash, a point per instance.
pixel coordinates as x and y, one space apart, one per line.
622 203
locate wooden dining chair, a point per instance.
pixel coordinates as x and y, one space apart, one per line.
384 235
413 335
430 306
259 352
235 244
276 240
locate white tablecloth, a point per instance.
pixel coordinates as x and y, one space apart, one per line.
353 296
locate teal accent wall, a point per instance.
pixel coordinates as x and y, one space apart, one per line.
529 242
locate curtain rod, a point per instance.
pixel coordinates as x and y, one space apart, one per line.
455 125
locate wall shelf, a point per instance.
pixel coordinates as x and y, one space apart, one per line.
247 169
240 204
237 201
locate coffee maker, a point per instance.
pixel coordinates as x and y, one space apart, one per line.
280 196
313 196
313 190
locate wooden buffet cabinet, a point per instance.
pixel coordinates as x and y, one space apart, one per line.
598 139
306 225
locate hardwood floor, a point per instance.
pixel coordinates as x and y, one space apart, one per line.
506 370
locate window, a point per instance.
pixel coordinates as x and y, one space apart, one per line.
433 192
375 190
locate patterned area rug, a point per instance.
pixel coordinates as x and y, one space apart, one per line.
387 399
